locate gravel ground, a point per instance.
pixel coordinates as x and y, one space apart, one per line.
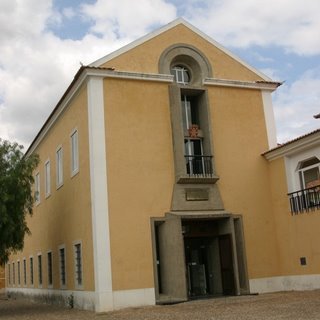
283 305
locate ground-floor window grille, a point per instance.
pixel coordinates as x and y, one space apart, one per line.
9 274
13 274
24 272
62 256
31 270
78 264
50 269
40 269
18 267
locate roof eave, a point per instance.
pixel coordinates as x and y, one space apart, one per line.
300 144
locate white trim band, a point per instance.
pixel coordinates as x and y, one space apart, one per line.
80 299
134 298
104 72
86 299
99 196
285 283
269 119
260 85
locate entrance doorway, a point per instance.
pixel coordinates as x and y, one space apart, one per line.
209 266
198 257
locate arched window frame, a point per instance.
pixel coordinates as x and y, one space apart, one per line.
181 74
303 170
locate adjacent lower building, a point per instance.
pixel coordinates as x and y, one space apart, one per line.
161 181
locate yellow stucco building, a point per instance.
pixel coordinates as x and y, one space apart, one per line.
160 181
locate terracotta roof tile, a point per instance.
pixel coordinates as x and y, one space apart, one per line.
293 140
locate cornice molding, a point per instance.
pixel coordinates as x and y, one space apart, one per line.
104 72
260 85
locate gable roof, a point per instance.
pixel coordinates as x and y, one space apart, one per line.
167 27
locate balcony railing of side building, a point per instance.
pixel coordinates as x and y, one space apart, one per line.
304 200
199 166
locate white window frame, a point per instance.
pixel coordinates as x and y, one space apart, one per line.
37 188
40 270
74 156
50 285
31 271
63 285
301 173
292 163
76 282
47 178
59 166
179 72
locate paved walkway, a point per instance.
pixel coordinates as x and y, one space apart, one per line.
285 305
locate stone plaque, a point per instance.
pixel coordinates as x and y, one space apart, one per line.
197 194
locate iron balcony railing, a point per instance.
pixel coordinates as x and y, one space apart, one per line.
199 166
304 200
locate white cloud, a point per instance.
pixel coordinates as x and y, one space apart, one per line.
122 19
296 104
36 66
291 24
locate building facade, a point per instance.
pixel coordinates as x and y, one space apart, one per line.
152 187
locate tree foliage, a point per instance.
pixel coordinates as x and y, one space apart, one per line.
16 196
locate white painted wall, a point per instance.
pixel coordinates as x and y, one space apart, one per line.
99 196
269 119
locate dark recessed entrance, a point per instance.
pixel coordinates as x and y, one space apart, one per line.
198 257
209 260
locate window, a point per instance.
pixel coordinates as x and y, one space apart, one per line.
74 153
47 178
78 264
40 269
196 162
49 256
13 274
62 258
37 188
309 173
18 267
31 270
307 181
59 160
190 113
181 74
24 272
9 274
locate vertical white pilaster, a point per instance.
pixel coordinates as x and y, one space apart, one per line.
99 196
269 119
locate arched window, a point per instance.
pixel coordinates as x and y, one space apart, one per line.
181 74
309 173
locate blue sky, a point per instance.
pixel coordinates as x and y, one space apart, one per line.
42 43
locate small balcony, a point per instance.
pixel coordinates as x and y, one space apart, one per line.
199 165
199 169
304 200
